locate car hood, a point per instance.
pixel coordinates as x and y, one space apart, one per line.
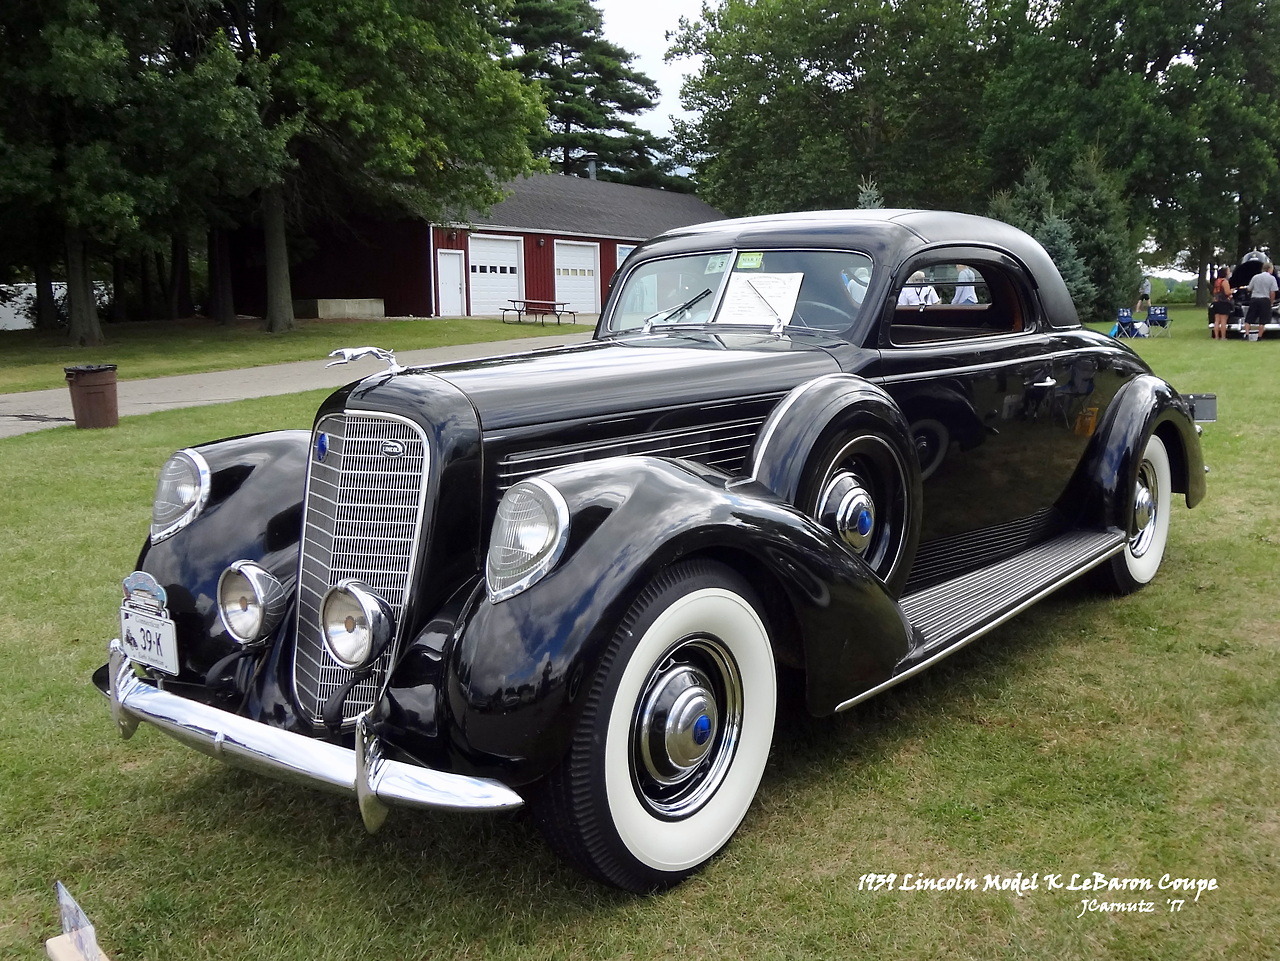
605 377
1248 268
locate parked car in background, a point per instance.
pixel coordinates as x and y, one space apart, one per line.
1248 268
571 578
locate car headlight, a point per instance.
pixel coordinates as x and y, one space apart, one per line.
357 624
529 535
181 493
251 602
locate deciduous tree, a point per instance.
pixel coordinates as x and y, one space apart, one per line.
403 103
124 124
64 73
134 124
797 101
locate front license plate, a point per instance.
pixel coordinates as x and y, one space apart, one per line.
149 639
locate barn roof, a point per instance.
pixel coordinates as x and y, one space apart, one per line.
553 203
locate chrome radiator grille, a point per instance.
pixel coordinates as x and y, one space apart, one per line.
724 445
362 520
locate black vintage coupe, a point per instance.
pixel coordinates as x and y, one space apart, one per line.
839 444
1249 267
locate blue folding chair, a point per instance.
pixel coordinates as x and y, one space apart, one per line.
1125 326
1158 320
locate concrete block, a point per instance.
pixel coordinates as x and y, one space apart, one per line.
359 309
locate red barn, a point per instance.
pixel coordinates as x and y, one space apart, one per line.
553 238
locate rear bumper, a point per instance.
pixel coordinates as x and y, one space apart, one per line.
376 781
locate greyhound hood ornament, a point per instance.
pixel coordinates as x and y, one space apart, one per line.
346 355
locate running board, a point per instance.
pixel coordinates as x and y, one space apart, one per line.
949 615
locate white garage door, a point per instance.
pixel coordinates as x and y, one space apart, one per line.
578 276
495 274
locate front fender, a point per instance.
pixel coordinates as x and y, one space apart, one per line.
254 512
519 670
1100 492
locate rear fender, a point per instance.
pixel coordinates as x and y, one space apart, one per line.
1100 492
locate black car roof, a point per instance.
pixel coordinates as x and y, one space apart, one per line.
889 236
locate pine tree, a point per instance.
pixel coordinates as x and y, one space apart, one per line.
590 90
1084 228
1055 235
869 195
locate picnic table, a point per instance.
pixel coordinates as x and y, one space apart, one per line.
541 309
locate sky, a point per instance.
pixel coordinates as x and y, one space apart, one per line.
640 27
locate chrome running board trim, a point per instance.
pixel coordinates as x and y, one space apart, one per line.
952 614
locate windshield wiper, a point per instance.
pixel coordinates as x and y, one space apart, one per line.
779 325
668 314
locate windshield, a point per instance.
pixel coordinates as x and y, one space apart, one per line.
822 289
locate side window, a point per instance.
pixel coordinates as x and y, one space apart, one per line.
956 301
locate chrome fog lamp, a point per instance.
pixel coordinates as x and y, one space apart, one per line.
251 602
529 536
357 624
181 493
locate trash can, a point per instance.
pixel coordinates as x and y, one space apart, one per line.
93 395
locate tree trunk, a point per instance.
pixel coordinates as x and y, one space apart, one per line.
1200 257
1244 238
179 292
82 312
46 310
279 291
144 289
163 285
222 306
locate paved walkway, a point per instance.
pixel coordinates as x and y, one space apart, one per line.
42 409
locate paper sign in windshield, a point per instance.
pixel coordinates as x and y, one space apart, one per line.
760 298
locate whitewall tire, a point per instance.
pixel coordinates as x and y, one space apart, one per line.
674 738
1147 523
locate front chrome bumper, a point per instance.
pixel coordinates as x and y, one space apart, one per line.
376 781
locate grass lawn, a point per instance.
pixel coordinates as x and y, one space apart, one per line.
1135 737
35 361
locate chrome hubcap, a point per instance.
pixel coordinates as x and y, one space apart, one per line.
678 722
1142 508
686 729
1145 499
847 508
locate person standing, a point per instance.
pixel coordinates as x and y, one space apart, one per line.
1220 308
918 292
1144 296
1262 294
965 292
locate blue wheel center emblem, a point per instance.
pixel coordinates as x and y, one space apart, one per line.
322 447
701 730
864 522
